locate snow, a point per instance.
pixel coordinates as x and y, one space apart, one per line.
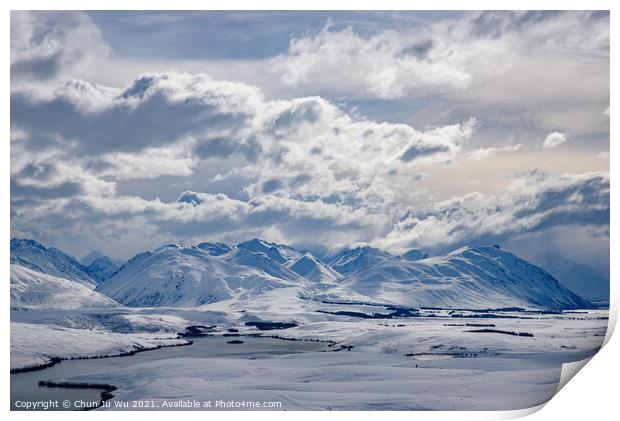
263 263
458 370
33 344
467 278
102 268
34 290
470 277
415 255
338 381
278 252
583 280
310 267
357 259
91 257
214 249
30 254
188 277
449 356
125 319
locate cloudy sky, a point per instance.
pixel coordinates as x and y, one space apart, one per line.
395 129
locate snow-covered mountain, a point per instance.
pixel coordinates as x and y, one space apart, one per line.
102 268
350 261
186 277
414 255
50 261
310 267
177 276
32 290
280 253
467 278
584 280
91 257
214 249
269 263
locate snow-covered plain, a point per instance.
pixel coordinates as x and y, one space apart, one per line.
412 363
34 345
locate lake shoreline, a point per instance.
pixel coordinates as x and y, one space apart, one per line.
105 395
107 388
57 360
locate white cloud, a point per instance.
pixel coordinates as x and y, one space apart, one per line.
299 162
533 202
554 139
448 56
168 123
174 160
484 153
48 45
386 65
89 162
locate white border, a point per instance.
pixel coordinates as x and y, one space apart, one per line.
591 396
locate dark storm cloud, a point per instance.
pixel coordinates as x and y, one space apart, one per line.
37 67
155 122
64 190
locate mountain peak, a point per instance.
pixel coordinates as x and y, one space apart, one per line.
310 267
35 256
415 255
484 250
171 246
359 258
17 242
102 268
271 250
214 249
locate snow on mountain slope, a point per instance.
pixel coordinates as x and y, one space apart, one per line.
583 280
186 277
35 256
90 257
470 277
280 253
311 268
415 255
214 249
357 259
262 262
102 268
177 276
31 290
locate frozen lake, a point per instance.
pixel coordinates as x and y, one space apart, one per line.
25 387
505 360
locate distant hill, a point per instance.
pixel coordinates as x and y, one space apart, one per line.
32 290
178 276
50 261
583 280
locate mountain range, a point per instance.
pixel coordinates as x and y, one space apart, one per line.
50 261
584 280
191 276
32 290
